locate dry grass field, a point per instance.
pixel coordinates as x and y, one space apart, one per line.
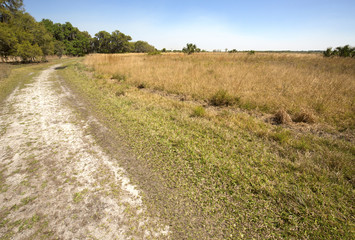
322 87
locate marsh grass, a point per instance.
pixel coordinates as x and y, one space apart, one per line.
267 81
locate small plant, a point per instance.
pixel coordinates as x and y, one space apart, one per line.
198 111
222 98
119 77
251 52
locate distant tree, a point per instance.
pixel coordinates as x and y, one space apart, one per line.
328 52
143 47
190 48
120 42
102 42
345 51
233 51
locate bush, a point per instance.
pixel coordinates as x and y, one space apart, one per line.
222 98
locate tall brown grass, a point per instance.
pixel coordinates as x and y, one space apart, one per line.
267 81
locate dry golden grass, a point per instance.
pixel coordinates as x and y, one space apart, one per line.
324 87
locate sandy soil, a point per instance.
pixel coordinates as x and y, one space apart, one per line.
55 181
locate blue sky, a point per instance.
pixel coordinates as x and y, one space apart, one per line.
220 24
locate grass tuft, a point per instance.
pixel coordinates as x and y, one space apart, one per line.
223 98
282 117
198 111
305 117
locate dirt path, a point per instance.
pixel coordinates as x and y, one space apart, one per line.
55 181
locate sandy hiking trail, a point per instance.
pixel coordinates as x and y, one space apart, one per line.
55 181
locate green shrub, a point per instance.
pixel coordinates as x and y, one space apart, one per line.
222 98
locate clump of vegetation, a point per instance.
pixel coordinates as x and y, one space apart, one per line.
223 98
251 52
120 77
199 111
345 51
191 48
305 117
282 117
233 51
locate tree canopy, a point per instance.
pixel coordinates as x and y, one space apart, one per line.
22 36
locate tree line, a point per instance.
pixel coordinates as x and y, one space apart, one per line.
22 36
345 51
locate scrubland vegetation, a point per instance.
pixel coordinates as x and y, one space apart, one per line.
226 171
296 83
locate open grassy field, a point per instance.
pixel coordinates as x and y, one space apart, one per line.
217 173
297 83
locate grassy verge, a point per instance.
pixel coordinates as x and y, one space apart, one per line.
222 174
